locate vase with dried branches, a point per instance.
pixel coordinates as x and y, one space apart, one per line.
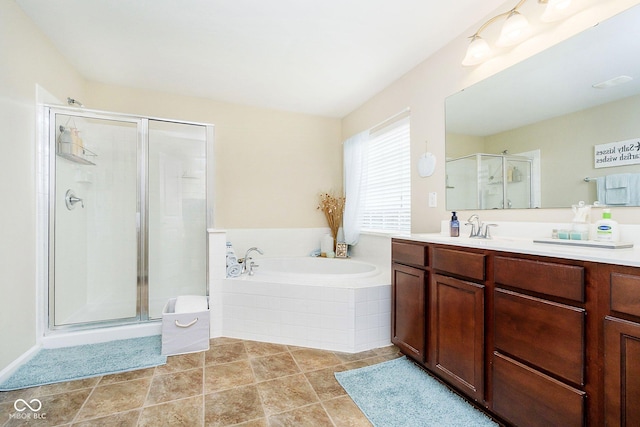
333 207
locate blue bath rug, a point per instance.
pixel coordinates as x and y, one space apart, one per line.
399 393
54 365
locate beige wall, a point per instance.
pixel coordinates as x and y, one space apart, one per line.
566 148
26 58
424 90
270 165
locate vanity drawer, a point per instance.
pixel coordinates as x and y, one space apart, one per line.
467 264
409 253
559 280
625 294
546 334
526 397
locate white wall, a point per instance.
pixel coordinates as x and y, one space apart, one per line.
424 90
26 58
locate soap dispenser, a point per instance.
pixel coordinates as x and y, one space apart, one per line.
454 226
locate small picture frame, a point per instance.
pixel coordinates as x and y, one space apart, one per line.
341 250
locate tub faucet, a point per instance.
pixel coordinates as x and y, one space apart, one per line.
246 265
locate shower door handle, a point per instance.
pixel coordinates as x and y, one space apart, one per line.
70 200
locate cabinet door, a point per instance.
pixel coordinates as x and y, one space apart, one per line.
408 321
621 372
456 314
526 397
543 333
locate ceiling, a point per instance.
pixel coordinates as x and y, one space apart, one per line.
324 58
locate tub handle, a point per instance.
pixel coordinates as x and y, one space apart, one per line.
180 325
252 265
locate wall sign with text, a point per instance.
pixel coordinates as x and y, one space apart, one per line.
617 153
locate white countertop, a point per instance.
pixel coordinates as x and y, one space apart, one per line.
526 245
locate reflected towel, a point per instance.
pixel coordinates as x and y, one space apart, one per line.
602 190
619 180
634 189
617 196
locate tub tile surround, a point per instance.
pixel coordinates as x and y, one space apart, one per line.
329 318
235 382
340 319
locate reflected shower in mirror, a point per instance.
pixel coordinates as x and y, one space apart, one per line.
557 110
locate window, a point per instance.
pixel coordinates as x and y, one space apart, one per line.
386 196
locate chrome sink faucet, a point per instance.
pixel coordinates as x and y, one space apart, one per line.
476 229
247 267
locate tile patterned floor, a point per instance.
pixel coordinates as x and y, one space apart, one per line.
234 383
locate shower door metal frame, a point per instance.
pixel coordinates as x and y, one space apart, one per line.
142 203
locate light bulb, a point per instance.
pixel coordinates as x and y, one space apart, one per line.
515 29
555 10
477 52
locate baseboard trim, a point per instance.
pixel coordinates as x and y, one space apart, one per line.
13 366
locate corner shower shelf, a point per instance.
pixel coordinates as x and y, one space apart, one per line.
76 153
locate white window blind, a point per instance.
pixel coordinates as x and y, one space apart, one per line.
386 203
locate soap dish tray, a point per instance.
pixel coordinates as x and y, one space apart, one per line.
586 243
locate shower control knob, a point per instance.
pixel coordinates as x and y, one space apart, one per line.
70 200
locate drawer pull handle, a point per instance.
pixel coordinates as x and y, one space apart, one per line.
180 325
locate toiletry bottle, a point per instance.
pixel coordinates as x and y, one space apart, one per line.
454 226
607 229
517 175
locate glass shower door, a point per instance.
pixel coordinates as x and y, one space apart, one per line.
177 212
519 183
94 267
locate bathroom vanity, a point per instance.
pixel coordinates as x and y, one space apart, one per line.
538 335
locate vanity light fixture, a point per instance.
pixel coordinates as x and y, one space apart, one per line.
515 29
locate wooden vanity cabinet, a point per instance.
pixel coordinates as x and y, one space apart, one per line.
622 349
437 315
408 321
409 298
539 358
456 319
536 341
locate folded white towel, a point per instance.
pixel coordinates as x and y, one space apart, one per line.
191 304
234 270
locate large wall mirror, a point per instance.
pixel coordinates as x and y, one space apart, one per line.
557 128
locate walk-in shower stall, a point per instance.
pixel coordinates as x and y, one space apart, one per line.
489 181
129 202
